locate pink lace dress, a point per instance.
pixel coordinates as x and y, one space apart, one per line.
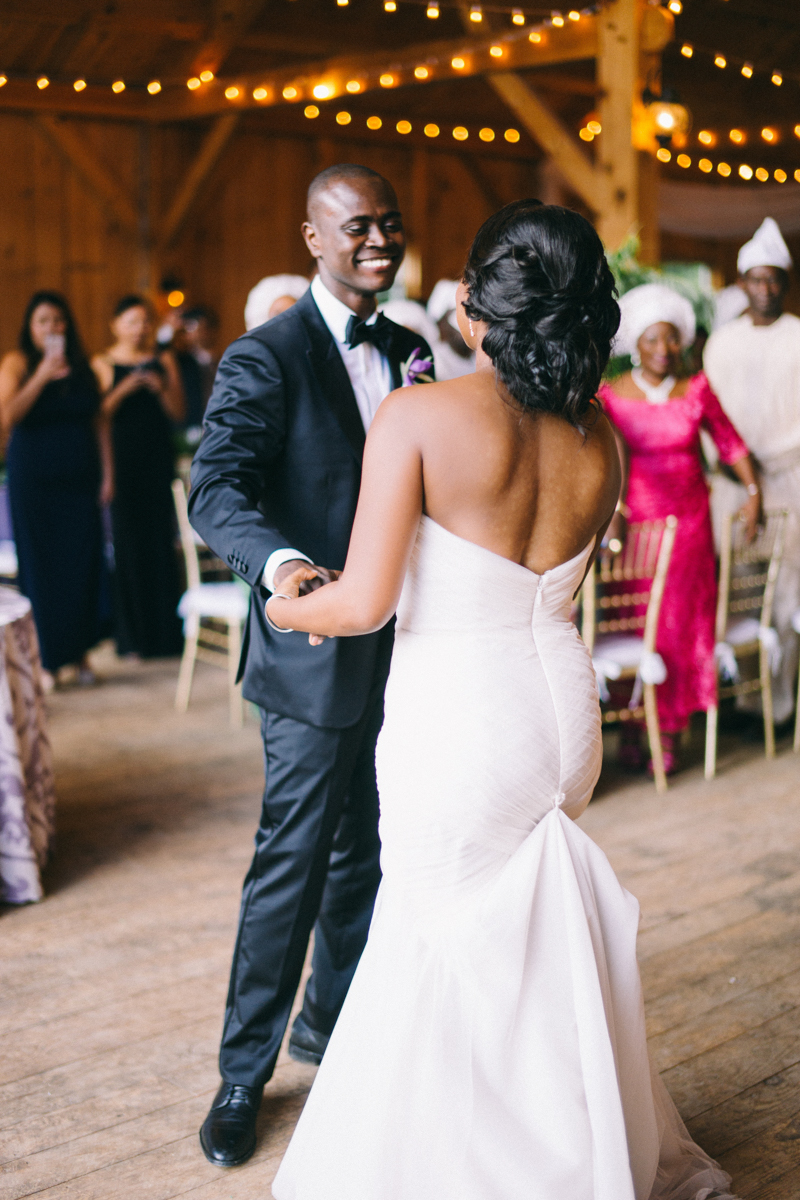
666 476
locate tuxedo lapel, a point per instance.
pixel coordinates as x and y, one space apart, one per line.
331 374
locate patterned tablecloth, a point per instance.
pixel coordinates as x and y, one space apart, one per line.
27 798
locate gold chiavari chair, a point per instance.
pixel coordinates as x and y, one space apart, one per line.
747 575
621 601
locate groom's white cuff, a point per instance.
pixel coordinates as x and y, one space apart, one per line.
277 559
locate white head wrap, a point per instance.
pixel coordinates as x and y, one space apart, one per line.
266 292
443 300
646 305
413 317
729 304
766 248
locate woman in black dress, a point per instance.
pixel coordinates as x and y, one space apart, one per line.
49 404
142 397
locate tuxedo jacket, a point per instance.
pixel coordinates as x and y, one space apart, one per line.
279 465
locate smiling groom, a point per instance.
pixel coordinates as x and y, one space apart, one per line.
275 483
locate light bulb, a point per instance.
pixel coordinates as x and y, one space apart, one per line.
323 91
486 135
260 93
769 135
431 130
747 70
738 136
706 137
724 169
517 16
534 36
403 127
193 84
675 7
594 127
343 118
706 165
232 92
79 85
457 64
421 72
154 87
460 133
374 122
176 298
389 6
663 154
118 86
574 15
496 51
386 80
475 13
777 78
206 76
781 176
683 160
42 82
311 111
761 175
432 11
511 135
3 80
352 86
288 93
686 50
557 19
745 172
585 134
720 61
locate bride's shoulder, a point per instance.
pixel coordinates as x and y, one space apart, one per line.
421 403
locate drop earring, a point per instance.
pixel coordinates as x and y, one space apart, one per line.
471 328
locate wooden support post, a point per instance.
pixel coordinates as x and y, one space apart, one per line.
215 142
420 218
99 179
554 138
618 78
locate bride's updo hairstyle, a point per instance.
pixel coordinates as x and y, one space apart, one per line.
538 276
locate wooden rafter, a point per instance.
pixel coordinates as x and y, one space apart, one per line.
208 154
100 180
554 138
231 19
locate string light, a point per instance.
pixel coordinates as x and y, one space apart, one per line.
724 169
761 175
511 135
457 64
374 122
769 135
797 175
686 50
288 93
706 165
311 111
387 81
389 6
777 78
432 11
352 86
745 171
421 72
496 51
683 160
557 20
79 85
403 127
797 131
476 13
486 135
781 176
737 136
3 80
534 36
42 82
154 87
574 15
342 3
260 93
118 86
663 154
231 93
720 61
343 118
206 76
193 84
747 70
706 137
323 91
431 130
675 7
594 127
460 133
517 16
586 135
175 299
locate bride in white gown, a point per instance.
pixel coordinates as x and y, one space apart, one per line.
492 1045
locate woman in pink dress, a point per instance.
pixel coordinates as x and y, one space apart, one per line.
658 417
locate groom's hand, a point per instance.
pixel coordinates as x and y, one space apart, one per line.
323 575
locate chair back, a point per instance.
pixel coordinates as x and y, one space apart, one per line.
748 571
622 592
188 544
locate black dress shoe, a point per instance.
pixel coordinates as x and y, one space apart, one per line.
306 1045
228 1134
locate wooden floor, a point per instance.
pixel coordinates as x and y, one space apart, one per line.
112 990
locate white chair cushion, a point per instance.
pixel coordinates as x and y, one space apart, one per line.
739 632
224 600
620 652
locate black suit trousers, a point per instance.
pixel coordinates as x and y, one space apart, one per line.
316 866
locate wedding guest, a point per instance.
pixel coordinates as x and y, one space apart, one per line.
412 316
451 353
59 474
200 330
271 296
274 486
753 364
658 416
142 397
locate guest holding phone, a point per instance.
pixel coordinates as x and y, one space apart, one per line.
142 398
59 474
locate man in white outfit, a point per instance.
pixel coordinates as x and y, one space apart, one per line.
753 364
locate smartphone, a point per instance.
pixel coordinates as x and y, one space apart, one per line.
54 345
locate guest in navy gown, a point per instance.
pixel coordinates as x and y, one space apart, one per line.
49 404
142 398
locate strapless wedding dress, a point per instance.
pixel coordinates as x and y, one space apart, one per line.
492 1045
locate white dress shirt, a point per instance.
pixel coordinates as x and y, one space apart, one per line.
370 376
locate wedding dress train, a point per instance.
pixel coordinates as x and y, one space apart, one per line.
492 1045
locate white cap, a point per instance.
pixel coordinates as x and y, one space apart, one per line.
729 304
266 292
413 316
646 305
766 248
443 300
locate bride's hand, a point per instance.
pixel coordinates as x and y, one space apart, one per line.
297 583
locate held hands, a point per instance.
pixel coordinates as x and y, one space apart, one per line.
296 578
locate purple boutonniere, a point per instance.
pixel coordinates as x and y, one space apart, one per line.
415 369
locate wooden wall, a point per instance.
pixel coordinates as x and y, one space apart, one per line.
57 232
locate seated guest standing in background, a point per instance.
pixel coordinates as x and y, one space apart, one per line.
49 404
200 326
271 296
658 417
142 396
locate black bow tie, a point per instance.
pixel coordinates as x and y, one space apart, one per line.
379 333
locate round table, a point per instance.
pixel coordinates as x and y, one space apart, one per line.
27 797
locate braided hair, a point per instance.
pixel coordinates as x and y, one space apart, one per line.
537 276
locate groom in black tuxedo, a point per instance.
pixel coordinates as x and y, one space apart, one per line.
274 485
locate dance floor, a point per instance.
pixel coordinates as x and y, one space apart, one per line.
111 990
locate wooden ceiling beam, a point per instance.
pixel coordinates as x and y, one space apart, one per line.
213 145
232 18
554 138
105 185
